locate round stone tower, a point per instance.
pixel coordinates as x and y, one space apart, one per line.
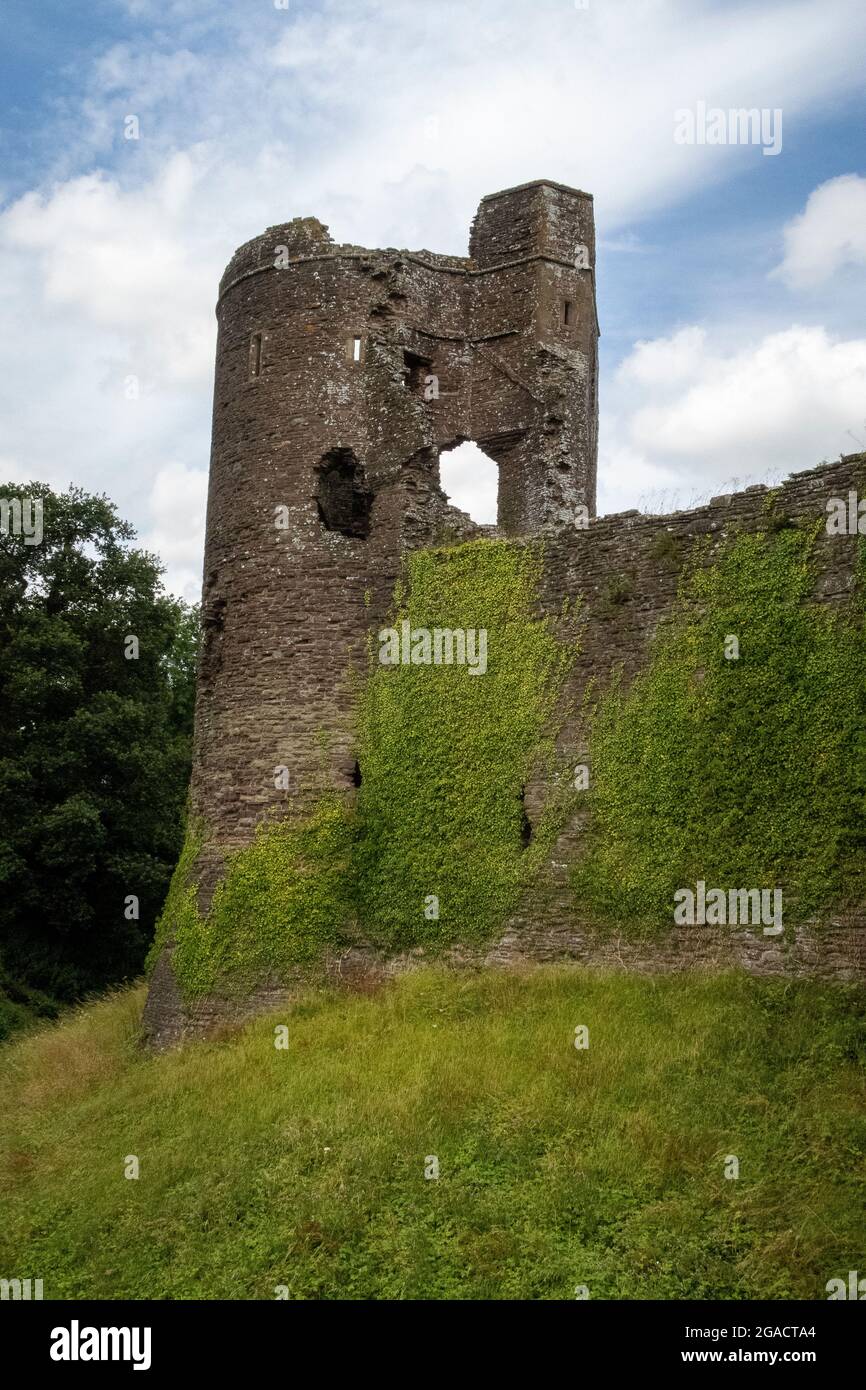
341 374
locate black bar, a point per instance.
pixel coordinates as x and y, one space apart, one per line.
254 1337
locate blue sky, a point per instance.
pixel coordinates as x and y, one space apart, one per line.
731 284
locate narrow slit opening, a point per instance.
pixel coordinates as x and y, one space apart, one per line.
256 354
525 822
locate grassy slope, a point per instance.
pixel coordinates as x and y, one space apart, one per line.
558 1167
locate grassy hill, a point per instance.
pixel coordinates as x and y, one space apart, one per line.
558 1167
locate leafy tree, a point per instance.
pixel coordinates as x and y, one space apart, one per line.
95 734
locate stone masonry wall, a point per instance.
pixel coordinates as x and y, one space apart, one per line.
341 375
324 357
623 571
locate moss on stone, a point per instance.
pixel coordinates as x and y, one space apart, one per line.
743 773
179 914
445 754
283 901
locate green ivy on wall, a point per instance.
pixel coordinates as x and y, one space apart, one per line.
747 772
445 754
179 917
283 901
444 757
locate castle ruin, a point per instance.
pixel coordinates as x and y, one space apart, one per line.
342 375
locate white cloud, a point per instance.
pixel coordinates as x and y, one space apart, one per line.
177 507
665 361
830 233
11 473
121 261
470 480
717 418
627 479
388 121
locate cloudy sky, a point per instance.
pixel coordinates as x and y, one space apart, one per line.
731 283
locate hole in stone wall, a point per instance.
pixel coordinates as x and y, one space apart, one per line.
525 822
356 775
471 481
415 371
566 312
343 499
356 349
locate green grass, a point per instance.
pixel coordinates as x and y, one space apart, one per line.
558 1167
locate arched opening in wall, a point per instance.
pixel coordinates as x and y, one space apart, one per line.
470 480
343 499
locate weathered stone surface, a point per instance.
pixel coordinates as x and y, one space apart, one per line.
341 375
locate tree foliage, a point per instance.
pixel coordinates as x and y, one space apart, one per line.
94 747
